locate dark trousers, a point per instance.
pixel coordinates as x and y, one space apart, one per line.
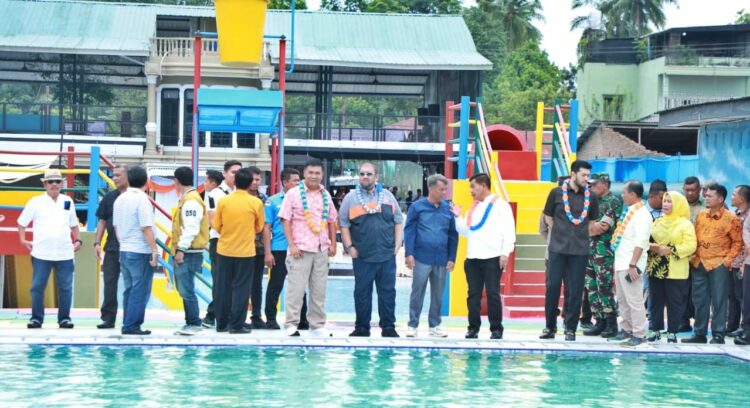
585 306
746 300
734 305
710 292
210 315
383 275
571 269
484 274
256 289
672 293
233 277
111 274
689 308
276 284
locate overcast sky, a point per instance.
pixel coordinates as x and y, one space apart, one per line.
560 42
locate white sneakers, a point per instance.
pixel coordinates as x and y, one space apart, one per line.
434 332
320 332
437 332
292 331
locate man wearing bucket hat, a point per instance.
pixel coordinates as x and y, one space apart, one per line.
600 269
55 241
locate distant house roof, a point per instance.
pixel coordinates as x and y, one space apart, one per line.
394 41
699 114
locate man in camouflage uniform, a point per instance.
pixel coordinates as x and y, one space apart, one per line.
600 269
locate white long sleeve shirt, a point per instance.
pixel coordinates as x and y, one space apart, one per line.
192 215
636 234
497 237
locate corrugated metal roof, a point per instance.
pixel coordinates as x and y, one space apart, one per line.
396 41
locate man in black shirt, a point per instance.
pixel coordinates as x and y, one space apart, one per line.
569 210
111 264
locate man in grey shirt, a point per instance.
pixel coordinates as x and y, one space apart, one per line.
133 218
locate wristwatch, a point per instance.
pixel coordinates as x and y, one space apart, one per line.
347 248
633 266
78 241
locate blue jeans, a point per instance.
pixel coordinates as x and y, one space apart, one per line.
184 275
137 276
64 276
383 274
436 276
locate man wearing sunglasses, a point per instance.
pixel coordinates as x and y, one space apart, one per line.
370 220
55 241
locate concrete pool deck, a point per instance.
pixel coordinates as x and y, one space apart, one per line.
519 335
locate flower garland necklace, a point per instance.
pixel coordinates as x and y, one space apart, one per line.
566 203
626 216
364 205
308 214
484 216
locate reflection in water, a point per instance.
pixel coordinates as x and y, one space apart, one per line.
244 376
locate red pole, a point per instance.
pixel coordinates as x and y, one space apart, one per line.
448 137
196 85
71 166
282 88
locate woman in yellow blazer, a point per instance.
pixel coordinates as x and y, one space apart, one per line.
672 242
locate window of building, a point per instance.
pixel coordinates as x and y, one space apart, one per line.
170 117
613 107
246 141
187 138
221 139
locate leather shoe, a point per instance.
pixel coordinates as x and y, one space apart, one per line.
34 324
570 335
241 330
735 333
717 339
472 334
105 325
548 334
496 335
696 339
272 325
742 340
258 324
358 332
389 333
138 332
221 330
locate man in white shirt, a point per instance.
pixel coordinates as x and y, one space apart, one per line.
491 231
630 243
133 218
226 186
55 241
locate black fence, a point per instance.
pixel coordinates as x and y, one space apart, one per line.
379 128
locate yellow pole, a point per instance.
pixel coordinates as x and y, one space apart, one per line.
539 137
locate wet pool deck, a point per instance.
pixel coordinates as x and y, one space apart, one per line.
520 335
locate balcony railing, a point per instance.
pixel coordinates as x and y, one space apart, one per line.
182 47
676 101
89 120
689 57
377 128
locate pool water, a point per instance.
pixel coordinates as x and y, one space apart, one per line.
246 376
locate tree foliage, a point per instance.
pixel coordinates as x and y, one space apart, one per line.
527 76
488 33
287 4
518 18
394 6
624 18
743 17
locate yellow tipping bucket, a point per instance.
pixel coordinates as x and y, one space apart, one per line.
240 25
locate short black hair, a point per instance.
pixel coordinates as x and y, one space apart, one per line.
255 170
313 163
578 165
231 163
719 189
243 178
215 176
692 180
743 190
137 176
562 179
184 176
657 186
287 173
635 186
481 178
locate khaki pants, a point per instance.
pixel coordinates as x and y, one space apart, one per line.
309 270
630 301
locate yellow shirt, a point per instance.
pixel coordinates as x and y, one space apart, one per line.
239 216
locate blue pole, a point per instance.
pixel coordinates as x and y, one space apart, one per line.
93 189
573 131
463 138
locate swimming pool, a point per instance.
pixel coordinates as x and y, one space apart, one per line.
290 376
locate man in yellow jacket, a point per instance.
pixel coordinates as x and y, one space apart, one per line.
189 239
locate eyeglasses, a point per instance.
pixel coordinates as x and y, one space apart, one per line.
364 174
54 181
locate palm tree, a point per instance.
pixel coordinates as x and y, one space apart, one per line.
625 18
517 17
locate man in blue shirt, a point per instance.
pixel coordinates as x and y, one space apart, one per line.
276 246
431 241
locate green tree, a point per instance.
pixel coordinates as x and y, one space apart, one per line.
527 76
488 33
517 17
743 17
394 6
625 18
287 4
